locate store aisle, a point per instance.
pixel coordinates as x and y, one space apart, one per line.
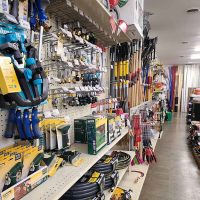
176 175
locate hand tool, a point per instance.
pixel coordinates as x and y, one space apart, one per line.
138 178
27 125
120 193
15 8
19 124
35 124
11 124
33 18
41 7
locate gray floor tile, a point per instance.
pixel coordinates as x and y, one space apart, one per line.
176 175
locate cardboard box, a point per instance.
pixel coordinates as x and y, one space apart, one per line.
80 131
25 186
97 134
111 128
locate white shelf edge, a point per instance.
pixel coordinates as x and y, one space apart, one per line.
129 178
67 176
122 172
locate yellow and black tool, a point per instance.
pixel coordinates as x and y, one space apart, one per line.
121 194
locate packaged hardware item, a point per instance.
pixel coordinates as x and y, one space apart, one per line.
91 130
111 128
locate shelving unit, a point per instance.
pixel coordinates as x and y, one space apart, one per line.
128 181
96 22
67 176
122 172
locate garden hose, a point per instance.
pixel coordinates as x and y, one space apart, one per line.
106 165
89 187
111 181
124 159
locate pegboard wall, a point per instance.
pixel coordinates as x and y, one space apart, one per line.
76 111
51 67
3 123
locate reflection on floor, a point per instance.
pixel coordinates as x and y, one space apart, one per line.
176 175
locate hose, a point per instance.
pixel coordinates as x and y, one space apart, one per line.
124 159
111 181
88 187
106 165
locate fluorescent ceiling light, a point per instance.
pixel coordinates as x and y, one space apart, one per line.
197 48
195 56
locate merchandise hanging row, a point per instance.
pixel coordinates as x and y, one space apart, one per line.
193 120
82 100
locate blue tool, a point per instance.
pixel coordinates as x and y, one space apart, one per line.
11 125
27 125
35 124
41 7
19 124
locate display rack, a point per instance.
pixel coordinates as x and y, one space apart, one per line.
122 172
67 176
96 22
128 181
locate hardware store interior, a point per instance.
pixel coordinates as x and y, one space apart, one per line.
99 100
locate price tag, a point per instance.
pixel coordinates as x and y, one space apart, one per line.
81 12
76 8
65 89
82 88
77 89
90 88
55 112
69 3
70 64
128 123
79 39
47 114
76 62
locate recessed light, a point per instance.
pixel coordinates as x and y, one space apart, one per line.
193 10
195 56
197 48
184 42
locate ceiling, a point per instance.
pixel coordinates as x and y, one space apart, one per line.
173 25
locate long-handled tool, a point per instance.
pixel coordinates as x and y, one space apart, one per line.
41 7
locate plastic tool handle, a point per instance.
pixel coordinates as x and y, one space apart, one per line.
35 124
33 15
10 128
41 7
19 124
15 8
27 125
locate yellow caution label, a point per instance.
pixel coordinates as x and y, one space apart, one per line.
92 180
96 175
108 160
9 82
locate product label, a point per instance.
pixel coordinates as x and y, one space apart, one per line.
9 82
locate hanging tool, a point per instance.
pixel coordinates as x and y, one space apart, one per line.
35 124
20 126
27 125
11 125
33 19
41 7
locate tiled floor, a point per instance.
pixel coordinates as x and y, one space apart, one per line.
176 175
